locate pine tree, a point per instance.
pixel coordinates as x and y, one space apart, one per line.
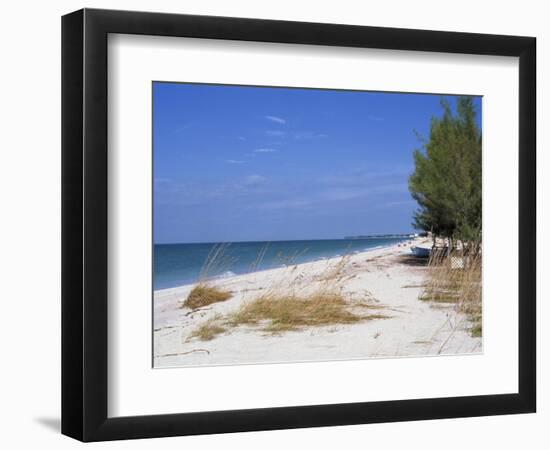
446 182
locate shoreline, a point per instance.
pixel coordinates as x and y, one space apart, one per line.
327 259
389 279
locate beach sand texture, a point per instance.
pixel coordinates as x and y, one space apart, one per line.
383 282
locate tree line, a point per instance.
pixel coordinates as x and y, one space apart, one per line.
446 182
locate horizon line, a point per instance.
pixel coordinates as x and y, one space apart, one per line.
351 237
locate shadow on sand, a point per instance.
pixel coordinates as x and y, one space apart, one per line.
413 261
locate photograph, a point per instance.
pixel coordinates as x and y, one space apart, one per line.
305 224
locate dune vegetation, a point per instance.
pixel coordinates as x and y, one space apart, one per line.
204 295
456 280
293 307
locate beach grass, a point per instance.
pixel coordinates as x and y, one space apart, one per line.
277 313
335 274
204 295
208 330
459 284
290 312
279 310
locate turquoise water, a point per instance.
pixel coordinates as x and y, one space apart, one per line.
179 264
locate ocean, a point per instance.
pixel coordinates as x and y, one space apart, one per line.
180 264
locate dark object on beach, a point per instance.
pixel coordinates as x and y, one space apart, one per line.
421 252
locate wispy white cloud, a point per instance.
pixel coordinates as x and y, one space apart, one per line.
342 194
402 187
252 181
375 118
276 119
265 150
277 133
184 127
371 175
291 203
309 135
398 203
233 161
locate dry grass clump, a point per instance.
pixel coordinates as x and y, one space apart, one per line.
456 279
203 295
208 330
277 313
280 312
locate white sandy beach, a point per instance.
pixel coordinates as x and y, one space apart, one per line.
387 279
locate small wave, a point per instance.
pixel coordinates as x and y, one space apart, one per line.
373 248
226 274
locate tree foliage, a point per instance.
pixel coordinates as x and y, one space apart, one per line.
446 182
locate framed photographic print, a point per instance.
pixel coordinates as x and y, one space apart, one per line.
273 224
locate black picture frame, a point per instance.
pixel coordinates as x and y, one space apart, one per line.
84 224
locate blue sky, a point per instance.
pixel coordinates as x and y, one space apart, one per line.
254 163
